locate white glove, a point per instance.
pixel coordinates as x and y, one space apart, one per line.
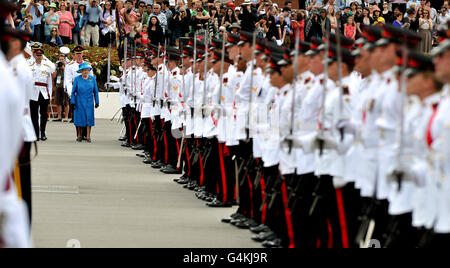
218 110
292 140
329 143
114 78
207 110
403 173
348 126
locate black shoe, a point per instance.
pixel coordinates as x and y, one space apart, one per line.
88 140
125 144
157 165
71 120
235 221
232 217
141 155
171 170
261 237
246 224
259 229
123 138
192 186
148 160
57 120
226 220
138 147
237 215
275 243
43 138
79 139
216 203
183 181
180 178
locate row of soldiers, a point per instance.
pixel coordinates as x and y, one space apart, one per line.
333 144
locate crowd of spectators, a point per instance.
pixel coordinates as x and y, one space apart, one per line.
95 23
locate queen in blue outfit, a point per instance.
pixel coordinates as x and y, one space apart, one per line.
84 92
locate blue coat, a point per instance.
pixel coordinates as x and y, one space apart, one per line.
83 92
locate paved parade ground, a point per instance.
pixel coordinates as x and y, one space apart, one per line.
102 195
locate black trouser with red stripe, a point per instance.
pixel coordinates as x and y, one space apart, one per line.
197 173
335 215
39 107
258 188
25 176
148 137
322 217
279 217
126 120
270 176
141 130
300 202
227 179
134 122
245 184
171 145
159 135
186 157
212 166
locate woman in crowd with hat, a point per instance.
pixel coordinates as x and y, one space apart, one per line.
83 91
51 19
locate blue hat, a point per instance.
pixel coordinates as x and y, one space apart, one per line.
83 66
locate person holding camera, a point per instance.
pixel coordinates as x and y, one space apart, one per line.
62 99
248 17
37 11
93 11
261 27
26 25
179 25
199 17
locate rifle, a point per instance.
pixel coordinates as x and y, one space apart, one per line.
193 76
341 93
156 78
399 175
252 69
324 90
222 63
294 84
205 87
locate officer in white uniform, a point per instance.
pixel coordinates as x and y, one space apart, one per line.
14 225
41 94
21 70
